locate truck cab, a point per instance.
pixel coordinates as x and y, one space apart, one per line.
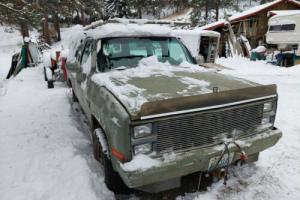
155 115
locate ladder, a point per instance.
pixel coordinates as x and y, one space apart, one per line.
211 52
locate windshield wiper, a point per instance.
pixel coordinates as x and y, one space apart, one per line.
119 68
131 56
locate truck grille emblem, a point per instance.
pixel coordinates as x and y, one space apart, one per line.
215 89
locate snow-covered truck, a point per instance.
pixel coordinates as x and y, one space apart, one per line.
156 115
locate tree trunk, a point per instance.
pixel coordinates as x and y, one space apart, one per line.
46 32
139 12
24 29
57 27
217 5
206 10
82 18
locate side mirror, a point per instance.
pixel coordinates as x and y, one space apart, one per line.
98 45
199 59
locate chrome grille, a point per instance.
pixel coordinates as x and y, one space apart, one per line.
201 129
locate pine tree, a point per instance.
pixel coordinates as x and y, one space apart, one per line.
117 8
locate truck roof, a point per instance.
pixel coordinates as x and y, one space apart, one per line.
128 30
196 32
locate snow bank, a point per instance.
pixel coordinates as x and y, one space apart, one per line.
260 49
244 67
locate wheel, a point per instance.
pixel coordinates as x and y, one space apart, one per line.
97 149
45 75
112 179
74 98
50 84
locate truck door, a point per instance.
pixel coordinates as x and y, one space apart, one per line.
84 74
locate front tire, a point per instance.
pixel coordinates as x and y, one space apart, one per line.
74 97
112 179
50 84
45 75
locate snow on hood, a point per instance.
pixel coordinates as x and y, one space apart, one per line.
124 85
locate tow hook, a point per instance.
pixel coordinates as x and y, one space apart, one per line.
220 173
242 160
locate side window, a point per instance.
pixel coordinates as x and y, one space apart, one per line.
176 51
288 27
284 27
86 59
78 51
86 52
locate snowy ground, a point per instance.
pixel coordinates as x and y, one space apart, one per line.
45 151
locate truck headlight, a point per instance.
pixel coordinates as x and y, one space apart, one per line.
268 106
143 148
142 130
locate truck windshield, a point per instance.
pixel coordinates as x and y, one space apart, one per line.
127 52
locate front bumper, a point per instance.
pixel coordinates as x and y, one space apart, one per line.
197 160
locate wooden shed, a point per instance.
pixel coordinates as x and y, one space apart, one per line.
252 23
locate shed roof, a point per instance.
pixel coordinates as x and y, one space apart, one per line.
249 13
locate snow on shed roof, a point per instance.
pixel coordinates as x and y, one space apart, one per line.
248 13
123 29
285 12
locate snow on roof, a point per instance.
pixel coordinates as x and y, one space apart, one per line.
285 12
248 13
123 29
196 32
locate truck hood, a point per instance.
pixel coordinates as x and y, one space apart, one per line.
142 87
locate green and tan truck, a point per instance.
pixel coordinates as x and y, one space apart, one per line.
156 115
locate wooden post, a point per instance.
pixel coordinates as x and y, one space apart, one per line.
24 29
57 26
46 33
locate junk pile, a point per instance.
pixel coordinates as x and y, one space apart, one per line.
236 44
29 56
55 66
259 53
